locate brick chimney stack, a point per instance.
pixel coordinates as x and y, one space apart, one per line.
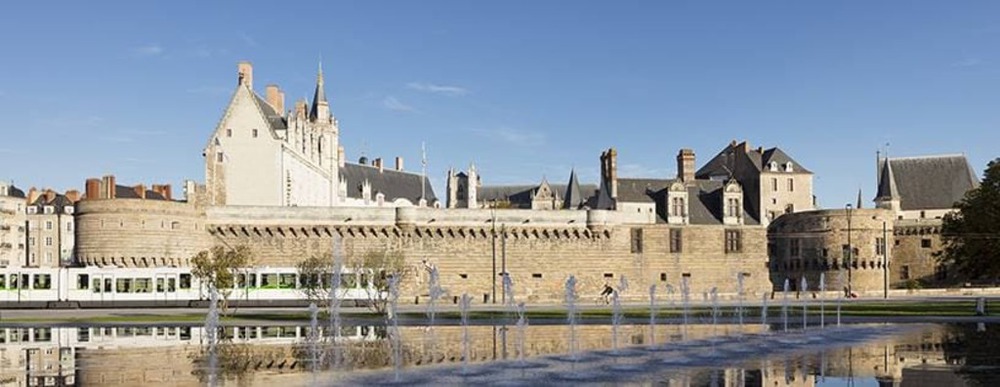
50 195
163 190
92 189
377 163
73 195
245 74
399 164
685 165
275 98
32 195
108 187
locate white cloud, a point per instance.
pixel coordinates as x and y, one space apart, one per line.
248 40
437 89
150 50
394 104
968 62
512 136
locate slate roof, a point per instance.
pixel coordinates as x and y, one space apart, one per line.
521 194
931 182
705 206
275 119
573 198
886 182
758 158
59 201
391 183
126 192
13 191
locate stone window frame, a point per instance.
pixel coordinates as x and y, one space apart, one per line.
794 247
636 240
733 241
676 240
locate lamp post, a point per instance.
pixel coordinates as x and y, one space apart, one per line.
849 253
493 233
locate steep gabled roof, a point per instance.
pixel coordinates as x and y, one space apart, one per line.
572 198
886 182
705 198
780 158
931 182
759 158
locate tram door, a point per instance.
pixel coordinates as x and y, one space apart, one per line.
102 285
166 287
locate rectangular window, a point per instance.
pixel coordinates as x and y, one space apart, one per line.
676 240
636 240
255 133
123 285
48 224
97 285
677 207
463 276
31 241
159 285
663 277
826 252
925 243
793 248
185 281
69 226
904 272
609 275
3 281
229 132
48 241
171 285
733 207
774 184
42 281
879 246
536 275
48 257
143 285
734 241
218 157
791 185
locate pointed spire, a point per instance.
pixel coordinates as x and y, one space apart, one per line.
320 107
886 182
573 199
859 200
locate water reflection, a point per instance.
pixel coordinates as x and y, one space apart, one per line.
945 355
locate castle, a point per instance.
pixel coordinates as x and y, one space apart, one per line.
277 180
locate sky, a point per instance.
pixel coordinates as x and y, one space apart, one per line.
526 90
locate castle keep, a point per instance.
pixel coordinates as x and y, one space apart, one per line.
277 181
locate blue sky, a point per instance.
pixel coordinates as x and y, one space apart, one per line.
524 89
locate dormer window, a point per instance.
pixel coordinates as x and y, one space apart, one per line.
69 210
49 210
32 210
733 207
677 207
788 166
773 166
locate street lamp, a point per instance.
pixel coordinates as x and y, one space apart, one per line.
849 254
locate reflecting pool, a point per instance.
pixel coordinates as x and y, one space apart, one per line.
293 355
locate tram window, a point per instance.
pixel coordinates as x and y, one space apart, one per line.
107 285
268 280
253 280
97 285
42 281
83 334
82 280
13 281
123 285
24 281
42 334
363 280
185 281
185 333
287 281
171 285
241 280
348 280
3 281
159 285
142 285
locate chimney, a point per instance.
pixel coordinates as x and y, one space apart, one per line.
340 156
50 195
399 164
275 98
32 195
93 189
73 195
140 191
245 74
685 165
109 187
166 192
377 163
613 171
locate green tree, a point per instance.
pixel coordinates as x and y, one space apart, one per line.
216 268
971 235
315 275
378 266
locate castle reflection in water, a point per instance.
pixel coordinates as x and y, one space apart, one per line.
264 355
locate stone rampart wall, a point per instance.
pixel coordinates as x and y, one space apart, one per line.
139 233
